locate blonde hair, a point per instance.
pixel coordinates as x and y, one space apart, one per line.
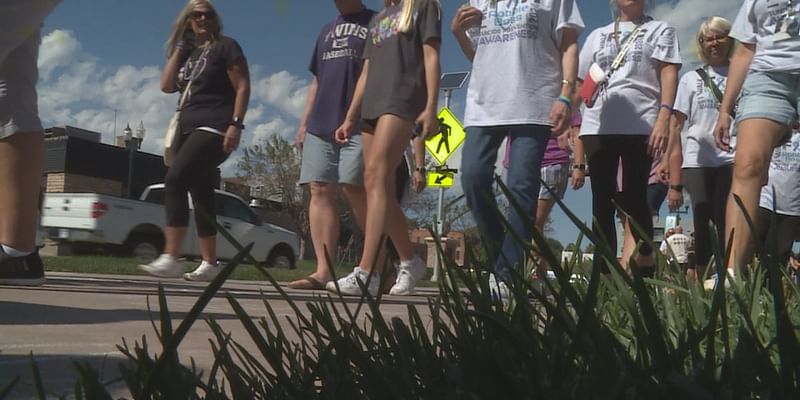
713 24
407 16
179 27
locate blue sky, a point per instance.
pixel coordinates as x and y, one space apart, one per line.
99 56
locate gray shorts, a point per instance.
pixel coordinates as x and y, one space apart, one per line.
20 36
555 176
324 160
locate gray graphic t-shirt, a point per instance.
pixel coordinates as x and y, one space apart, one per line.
396 77
784 179
337 62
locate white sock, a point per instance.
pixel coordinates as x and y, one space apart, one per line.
14 252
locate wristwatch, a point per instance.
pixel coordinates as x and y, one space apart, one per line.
678 188
237 122
581 167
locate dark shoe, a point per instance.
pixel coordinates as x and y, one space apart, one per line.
21 271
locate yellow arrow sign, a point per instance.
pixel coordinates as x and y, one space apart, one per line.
438 179
445 142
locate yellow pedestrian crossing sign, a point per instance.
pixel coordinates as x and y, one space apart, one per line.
440 179
450 135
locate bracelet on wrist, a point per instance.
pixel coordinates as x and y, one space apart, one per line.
566 100
667 106
678 188
420 169
579 167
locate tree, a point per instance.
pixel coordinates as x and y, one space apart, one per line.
273 166
589 249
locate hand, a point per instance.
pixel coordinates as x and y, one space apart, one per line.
657 143
578 178
429 123
559 117
722 131
674 199
232 137
662 171
300 137
465 18
419 182
564 142
344 131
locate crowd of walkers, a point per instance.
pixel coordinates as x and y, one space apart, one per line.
721 132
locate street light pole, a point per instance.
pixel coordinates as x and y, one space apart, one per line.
132 143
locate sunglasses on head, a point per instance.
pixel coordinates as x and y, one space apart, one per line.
201 14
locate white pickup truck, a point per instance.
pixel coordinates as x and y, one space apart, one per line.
136 227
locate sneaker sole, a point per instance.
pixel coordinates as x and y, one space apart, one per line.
156 273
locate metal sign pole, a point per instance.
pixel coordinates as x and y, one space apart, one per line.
437 264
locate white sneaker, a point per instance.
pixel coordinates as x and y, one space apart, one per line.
205 272
165 266
499 290
348 285
408 273
711 283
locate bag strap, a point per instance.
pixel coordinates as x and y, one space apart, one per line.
187 92
626 46
712 87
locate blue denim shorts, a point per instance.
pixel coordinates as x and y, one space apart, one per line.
326 161
771 95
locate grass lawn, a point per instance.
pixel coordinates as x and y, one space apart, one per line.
127 266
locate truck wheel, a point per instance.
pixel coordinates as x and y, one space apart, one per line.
145 248
281 257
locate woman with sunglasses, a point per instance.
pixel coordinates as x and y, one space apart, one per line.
699 165
765 69
214 70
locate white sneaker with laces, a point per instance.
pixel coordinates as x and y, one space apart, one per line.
408 273
205 272
348 285
165 266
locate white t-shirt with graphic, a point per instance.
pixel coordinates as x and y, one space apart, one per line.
698 103
771 26
784 178
630 103
516 72
679 243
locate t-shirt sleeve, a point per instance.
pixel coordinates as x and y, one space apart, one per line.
569 17
683 99
744 27
586 56
429 21
230 51
667 48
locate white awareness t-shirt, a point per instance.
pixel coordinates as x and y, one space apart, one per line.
758 22
698 103
630 103
516 71
784 178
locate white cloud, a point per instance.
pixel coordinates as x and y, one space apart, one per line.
79 89
686 16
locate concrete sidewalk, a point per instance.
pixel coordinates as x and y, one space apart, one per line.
83 317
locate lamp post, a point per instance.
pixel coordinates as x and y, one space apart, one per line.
133 141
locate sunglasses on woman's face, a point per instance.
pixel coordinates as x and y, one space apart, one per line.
200 14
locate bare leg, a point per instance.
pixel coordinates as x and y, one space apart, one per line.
542 213
208 248
628 244
21 165
382 153
756 140
324 224
174 242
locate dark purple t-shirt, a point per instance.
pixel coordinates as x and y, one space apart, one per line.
337 62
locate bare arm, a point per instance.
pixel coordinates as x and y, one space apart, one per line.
674 159
579 168
465 18
560 112
169 76
669 87
354 111
432 72
419 164
301 130
740 64
239 75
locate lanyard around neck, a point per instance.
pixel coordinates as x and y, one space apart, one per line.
641 21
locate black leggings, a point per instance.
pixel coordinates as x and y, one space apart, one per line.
604 153
193 170
708 189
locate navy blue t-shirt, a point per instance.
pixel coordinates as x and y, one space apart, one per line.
337 62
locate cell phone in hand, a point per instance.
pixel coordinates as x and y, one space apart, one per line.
416 131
